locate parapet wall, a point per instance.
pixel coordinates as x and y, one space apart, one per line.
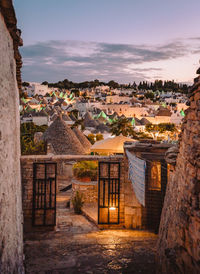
179 235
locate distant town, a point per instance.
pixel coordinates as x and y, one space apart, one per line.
151 111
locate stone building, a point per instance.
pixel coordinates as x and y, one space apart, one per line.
179 235
145 184
83 140
11 237
62 139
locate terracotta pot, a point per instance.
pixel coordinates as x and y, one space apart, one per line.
85 179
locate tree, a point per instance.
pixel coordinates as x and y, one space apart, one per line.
76 92
91 138
99 137
45 83
149 95
121 126
162 127
113 84
28 146
25 84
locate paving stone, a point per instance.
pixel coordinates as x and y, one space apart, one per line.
106 251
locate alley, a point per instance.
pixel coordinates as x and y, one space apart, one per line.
94 251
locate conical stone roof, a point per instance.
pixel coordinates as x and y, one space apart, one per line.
89 121
83 140
63 139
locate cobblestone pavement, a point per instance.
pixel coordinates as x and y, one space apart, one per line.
98 252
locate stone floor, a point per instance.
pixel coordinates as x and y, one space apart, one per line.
90 251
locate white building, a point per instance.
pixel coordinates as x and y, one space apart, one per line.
125 109
36 88
117 99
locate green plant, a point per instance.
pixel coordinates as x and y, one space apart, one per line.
28 146
121 126
77 202
91 138
99 136
84 169
162 127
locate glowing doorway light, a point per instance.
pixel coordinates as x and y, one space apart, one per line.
112 208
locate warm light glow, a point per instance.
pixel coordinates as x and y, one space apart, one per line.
112 208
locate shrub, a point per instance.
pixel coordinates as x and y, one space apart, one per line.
86 169
91 138
77 202
99 137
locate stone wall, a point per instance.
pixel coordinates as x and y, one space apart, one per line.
11 237
64 178
88 189
179 235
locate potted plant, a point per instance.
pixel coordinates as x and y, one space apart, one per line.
77 202
86 170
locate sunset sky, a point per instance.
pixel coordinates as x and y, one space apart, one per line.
121 40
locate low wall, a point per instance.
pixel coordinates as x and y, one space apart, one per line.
64 178
88 189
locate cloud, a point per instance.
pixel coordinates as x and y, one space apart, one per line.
80 61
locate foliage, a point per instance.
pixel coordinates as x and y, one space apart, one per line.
173 104
23 94
122 126
25 84
99 137
157 85
149 95
91 137
142 136
113 84
45 83
84 169
163 86
27 131
77 202
76 92
162 127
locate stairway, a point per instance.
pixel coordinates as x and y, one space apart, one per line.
67 220
63 210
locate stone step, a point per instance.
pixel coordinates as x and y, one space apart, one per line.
63 213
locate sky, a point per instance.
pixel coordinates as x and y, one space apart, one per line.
121 40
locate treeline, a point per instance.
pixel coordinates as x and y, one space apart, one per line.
156 85
87 84
163 85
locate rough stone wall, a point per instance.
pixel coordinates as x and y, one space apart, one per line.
11 239
88 189
179 235
8 12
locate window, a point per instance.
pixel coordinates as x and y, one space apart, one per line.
155 176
